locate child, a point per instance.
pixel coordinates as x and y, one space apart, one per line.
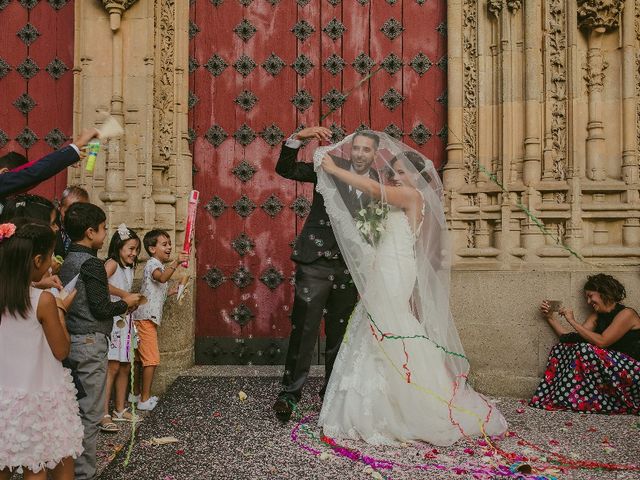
124 249
148 317
39 208
89 320
40 425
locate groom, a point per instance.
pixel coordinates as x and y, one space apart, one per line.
323 285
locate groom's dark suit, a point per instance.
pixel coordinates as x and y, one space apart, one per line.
323 285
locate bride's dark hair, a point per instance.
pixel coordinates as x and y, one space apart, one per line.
416 160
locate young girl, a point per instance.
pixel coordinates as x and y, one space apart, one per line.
123 253
40 426
35 206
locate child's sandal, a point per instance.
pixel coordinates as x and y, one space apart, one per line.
125 416
108 425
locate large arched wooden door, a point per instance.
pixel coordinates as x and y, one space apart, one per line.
36 81
259 70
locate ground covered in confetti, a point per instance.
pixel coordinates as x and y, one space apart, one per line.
223 435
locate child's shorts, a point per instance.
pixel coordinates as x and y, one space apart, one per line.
148 350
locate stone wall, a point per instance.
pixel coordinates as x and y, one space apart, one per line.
542 171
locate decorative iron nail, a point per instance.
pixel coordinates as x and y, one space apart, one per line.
216 206
420 134
244 206
216 135
214 277
272 206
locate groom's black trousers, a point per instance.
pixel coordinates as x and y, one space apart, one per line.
322 288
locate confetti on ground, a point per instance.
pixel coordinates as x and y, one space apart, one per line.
247 442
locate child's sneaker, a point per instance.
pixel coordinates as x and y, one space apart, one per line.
134 398
148 405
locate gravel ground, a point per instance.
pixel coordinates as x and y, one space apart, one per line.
221 436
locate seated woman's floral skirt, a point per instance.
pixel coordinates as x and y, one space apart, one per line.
585 378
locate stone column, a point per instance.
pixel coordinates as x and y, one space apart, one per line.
453 170
533 89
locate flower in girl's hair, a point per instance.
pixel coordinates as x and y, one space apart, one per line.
7 230
123 231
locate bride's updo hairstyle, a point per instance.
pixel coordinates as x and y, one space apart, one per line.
416 160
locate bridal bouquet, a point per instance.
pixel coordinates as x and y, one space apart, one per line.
370 221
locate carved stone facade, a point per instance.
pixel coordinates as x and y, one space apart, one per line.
131 59
548 183
541 177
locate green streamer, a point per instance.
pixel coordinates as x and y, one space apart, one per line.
409 337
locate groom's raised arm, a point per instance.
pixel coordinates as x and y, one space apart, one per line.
288 165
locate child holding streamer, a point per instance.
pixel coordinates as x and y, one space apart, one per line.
40 426
124 249
147 317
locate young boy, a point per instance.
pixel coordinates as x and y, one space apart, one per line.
89 320
147 318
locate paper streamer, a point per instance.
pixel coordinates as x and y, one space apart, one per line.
194 197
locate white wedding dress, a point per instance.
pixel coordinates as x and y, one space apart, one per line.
390 390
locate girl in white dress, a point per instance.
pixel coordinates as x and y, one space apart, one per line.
124 249
40 426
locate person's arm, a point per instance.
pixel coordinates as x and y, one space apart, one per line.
622 323
94 276
403 197
552 320
164 276
54 327
288 167
16 181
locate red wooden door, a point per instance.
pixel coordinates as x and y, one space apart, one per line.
36 82
259 70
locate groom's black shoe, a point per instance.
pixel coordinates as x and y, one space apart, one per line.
283 408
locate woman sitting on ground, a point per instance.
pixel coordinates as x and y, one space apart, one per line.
595 369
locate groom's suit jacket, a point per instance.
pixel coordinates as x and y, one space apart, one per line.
317 239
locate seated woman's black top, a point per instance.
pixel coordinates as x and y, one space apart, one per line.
629 344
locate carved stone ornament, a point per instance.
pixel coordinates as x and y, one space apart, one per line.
594 14
514 5
470 94
117 5
557 48
495 7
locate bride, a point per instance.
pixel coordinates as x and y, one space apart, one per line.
401 373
